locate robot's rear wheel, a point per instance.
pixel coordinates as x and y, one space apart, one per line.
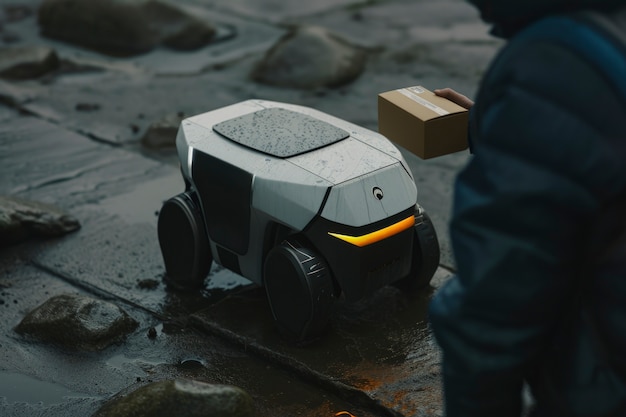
426 255
183 241
299 288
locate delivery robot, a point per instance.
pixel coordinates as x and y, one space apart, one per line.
309 206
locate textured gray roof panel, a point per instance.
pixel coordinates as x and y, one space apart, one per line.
280 132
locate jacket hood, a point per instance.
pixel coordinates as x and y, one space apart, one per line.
509 16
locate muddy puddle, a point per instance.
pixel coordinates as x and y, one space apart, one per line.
18 388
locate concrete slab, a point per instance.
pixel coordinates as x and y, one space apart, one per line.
61 167
378 352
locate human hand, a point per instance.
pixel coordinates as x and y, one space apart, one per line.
454 97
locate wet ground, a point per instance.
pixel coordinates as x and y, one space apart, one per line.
72 138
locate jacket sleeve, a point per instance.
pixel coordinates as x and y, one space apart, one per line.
519 211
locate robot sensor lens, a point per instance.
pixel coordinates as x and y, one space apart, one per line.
378 193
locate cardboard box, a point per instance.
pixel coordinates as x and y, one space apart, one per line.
421 122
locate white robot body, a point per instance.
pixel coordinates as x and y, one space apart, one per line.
271 186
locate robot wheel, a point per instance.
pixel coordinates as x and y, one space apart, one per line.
426 255
299 288
183 241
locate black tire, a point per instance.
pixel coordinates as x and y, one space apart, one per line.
426 255
299 289
184 243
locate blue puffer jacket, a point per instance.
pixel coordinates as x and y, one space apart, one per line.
539 212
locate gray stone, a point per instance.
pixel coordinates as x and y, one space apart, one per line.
22 219
181 398
310 57
123 27
77 322
24 62
162 133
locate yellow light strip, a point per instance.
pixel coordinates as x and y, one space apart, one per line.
378 235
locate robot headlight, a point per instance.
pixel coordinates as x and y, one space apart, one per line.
378 235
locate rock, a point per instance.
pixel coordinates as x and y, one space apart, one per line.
152 333
77 322
181 398
310 57
21 219
162 133
123 27
87 107
188 37
24 62
148 284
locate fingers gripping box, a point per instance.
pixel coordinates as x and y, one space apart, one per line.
421 122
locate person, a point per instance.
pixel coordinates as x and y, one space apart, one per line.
538 299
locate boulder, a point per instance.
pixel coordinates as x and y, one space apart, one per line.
162 133
21 219
77 322
181 398
26 62
310 57
123 27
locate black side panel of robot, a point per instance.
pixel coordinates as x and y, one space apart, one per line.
224 192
